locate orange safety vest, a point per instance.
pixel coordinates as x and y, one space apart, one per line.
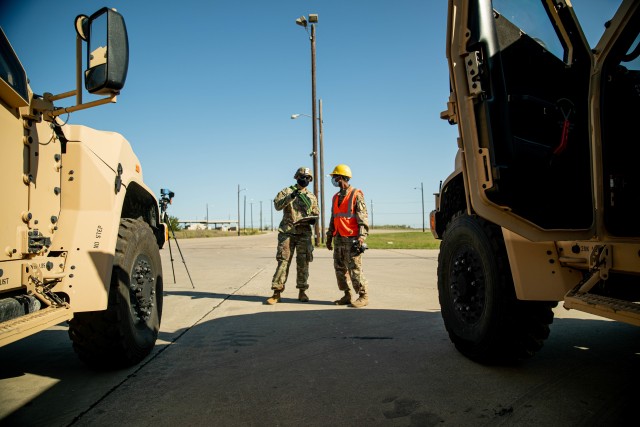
344 214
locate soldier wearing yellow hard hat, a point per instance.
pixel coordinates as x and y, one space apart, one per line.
300 210
348 229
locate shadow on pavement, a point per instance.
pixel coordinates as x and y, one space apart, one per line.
246 298
337 367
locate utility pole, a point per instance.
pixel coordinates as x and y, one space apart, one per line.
251 205
260 215
422 191
322 219
239 190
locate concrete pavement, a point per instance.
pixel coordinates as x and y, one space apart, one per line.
225 358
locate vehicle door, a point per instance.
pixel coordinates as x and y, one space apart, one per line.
526 90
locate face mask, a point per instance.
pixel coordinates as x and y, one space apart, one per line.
335 182
302 182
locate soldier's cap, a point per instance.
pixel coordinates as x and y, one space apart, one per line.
303 171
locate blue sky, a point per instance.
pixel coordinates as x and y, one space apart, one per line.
212 85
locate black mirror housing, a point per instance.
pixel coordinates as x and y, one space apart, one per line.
107 53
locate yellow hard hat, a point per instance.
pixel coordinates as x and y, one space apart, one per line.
342 170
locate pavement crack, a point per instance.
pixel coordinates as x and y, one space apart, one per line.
220 303
368 338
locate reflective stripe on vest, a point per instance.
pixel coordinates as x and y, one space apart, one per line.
344 214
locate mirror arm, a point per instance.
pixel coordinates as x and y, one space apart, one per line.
78 70
59 111
50 97
78 91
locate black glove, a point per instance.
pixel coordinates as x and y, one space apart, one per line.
312 221
295 193
358 248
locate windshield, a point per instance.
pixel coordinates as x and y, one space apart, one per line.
593 15
11 71
531 17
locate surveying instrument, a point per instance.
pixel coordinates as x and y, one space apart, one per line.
166 196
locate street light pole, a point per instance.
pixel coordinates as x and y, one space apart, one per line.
302 21
315 125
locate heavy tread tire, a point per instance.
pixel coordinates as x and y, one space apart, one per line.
481 313
126 332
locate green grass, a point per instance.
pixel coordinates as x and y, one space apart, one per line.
192 234
402 240
377 239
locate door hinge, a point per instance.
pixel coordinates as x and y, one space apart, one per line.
473 64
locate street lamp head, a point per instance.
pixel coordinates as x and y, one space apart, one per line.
302 21
313 18
295 116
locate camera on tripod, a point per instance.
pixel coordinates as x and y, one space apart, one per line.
357 248
166 196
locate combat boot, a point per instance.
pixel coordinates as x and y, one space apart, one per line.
361 301
346 299
302 296
274 299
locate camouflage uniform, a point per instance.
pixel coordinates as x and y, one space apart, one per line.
293 237
347 266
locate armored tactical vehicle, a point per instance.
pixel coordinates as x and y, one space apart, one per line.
79 230
542 204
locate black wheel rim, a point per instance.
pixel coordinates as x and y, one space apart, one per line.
467 286
142 290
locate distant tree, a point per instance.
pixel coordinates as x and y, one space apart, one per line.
173 223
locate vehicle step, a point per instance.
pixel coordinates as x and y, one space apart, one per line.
23 326
612 308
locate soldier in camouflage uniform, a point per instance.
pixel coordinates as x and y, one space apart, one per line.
300 208
348 229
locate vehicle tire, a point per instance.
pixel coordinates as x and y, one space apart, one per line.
126 332
481 313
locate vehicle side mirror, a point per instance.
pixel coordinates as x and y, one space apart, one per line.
107 51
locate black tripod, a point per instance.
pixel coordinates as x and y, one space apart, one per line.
165 199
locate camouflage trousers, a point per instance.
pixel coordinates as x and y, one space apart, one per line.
348 267
303 248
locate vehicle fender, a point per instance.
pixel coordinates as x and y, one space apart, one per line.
536 270
98 169
451 199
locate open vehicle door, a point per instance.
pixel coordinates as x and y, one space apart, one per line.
548 120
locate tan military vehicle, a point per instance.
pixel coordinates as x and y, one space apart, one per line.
80 231
542 205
